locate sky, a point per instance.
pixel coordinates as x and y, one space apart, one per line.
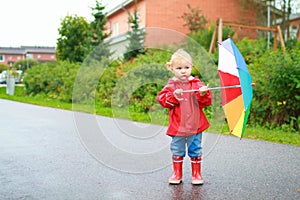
36 22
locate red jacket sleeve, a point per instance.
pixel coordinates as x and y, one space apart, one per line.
166 98
205 100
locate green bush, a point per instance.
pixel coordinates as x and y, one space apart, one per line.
107 84
3 67
88 81
251 49
139 82
277 90
25 64
204 36
54 80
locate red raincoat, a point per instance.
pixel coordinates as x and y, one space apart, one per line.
186 116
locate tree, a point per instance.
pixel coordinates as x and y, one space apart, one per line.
74 41
25 64
135 37
286 11
199 32
98 26
287 7
194 19
99 32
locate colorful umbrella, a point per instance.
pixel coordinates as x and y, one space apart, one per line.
236 87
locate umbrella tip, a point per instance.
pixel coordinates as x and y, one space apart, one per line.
219 43
228 36
253 84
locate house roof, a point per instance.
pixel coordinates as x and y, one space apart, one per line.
38 49
26 49
294 16
119 7
12 50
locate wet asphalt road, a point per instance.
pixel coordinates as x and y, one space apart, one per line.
45 154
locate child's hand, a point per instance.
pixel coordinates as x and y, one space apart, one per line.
203 90
178 93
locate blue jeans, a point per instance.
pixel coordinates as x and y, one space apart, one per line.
193 144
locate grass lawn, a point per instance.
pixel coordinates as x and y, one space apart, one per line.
257 133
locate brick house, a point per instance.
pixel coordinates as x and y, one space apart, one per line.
163 23
9 55
295 26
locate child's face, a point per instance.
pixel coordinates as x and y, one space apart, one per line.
182 71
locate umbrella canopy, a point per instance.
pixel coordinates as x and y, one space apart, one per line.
236 101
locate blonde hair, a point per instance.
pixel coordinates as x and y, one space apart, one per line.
179 58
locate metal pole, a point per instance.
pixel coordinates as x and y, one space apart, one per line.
268 23
26 61
218 88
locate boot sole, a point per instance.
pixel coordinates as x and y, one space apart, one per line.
174 182
197 182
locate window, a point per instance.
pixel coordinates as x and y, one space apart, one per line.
116 29
293 32
1 58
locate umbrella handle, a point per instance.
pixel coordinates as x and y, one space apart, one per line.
218 88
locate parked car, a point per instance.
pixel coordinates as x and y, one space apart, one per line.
17 75
3 77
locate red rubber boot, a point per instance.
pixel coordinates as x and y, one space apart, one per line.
177 174
196 171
